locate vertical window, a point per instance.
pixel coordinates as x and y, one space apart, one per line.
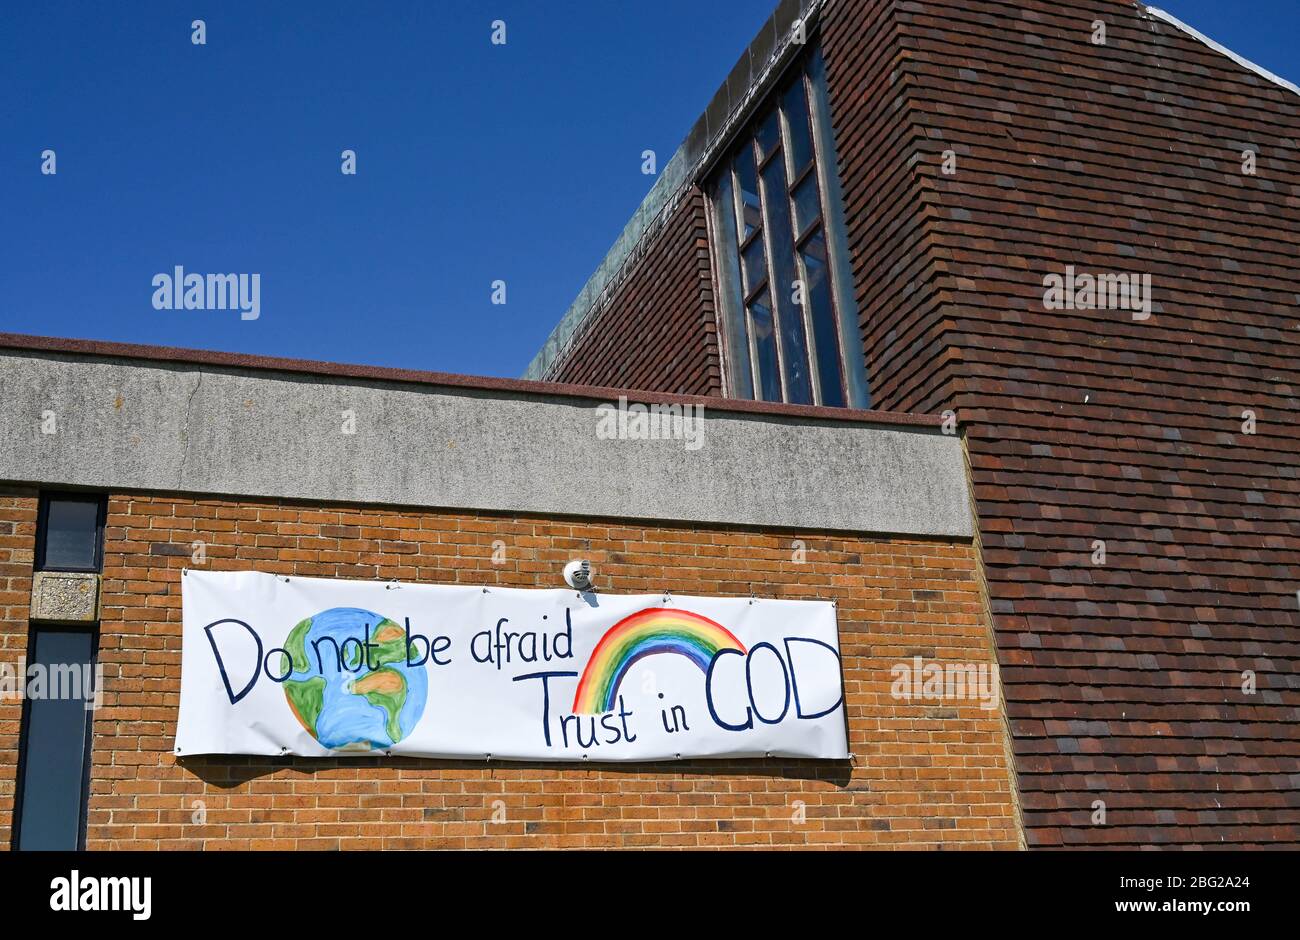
54 761
789 320
54 740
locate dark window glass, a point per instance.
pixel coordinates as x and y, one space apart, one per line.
769 135
796 120
821 311
794 312
755 265
55 743
747 179
69 533
857 386
807 207
764 333
794 344
735 336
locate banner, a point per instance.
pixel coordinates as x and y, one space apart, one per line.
318 667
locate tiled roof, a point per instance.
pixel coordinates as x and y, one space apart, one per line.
1123 680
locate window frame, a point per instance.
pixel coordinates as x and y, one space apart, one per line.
24 732
42 530
806 69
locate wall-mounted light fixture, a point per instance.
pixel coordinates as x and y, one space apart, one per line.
577 574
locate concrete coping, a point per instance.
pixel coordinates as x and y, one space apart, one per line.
206 357
116 417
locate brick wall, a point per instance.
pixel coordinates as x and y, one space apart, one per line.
900 303
1124 680
657 329
17 553
924 776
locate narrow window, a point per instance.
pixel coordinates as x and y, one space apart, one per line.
54 740
788 316
733 304
69 532
54 752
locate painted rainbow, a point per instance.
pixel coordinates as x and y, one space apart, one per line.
645 633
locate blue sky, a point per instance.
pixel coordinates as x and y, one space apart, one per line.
475 162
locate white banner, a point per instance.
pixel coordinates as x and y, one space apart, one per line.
317 667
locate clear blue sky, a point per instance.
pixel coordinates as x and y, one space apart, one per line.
475 162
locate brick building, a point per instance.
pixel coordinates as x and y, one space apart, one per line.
143 456
848 263
968 152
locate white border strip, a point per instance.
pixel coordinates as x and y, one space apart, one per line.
1258 70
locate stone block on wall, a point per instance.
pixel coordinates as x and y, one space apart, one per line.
65 597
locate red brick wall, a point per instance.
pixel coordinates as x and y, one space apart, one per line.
17 552
657 329
900 303
924 775
1123 680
